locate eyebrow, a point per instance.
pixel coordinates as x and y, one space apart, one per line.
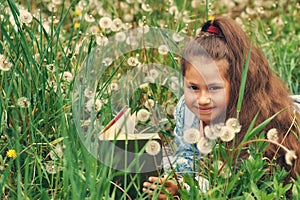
208 84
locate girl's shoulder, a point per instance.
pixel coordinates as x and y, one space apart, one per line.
184 118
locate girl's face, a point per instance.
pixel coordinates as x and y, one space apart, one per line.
206 90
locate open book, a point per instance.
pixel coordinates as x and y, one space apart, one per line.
122 127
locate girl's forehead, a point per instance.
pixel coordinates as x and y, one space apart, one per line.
209 67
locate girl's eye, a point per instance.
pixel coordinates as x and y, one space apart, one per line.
192 87
213 88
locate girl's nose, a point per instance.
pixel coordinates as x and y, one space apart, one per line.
204 98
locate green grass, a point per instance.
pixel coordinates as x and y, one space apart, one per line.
52 44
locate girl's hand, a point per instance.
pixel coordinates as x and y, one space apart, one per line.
153 182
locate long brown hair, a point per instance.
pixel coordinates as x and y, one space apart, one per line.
264 92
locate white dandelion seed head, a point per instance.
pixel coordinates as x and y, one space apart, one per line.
23 102
191 135
153 73
117 25
152 147
120 36
128 17
93 105
290 156
93 29
132 61
89 18
146 7
101 40
114 86
177 37
5 65
209 133
66 76
234 124
89 93
143 115
56 153
149 104
227 134
25 17
204 145
143 29
272 135
173 10
107 61
163 49
144 86
217 128
105 22
51 7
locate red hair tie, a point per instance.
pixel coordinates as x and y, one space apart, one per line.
213 29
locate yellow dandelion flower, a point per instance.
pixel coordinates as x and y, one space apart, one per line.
211 18
11 153
78 12
76 25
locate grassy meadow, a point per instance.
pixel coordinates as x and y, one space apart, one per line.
67 67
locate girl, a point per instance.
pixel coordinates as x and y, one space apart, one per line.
212 71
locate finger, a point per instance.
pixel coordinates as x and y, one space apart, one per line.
149 185
156 179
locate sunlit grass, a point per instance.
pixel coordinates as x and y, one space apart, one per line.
47 53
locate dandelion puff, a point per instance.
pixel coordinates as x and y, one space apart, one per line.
116 25
23 102
57 152
25 17
191 135
132 61
234 124
272 135
5 65
149 103
144 86
51 167
146 7
101 40
120 36
216 128
143 115
67 76
107 61
105 22
290 156
204 145
152 147
89 18
177 37
227 134
93 104
163 49
114 86
89 93
153 73
209 133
